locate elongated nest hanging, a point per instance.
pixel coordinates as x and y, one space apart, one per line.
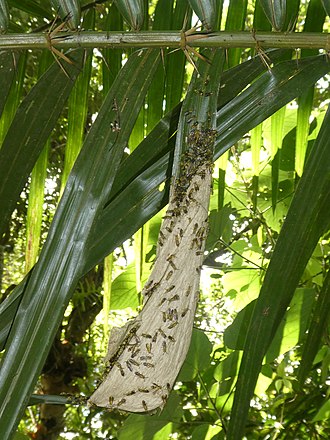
145 356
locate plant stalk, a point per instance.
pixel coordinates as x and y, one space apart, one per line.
242 39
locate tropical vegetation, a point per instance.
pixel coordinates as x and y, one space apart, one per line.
99 100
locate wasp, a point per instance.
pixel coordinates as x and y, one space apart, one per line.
170 260
148 365
129 366
130 393
120 368
148 284
135 352
143 390
200 232
188 291
168 276
164 346
134 362
155 386
193 243
190 195
174 298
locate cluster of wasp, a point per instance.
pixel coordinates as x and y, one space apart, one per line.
197 158
153 389
127 340
140 347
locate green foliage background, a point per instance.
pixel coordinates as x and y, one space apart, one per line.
85 163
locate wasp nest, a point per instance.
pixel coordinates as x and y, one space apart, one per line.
145 356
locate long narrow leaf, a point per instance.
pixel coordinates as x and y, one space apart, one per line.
31 127
162 20
32 7
326 5
292 11
35 208
13 94
256 142
235 21
68 10
175 70
263 98
317 328
133 12
77 112
63 257
36 190
314 21
306 221
305 105
4 16
111 57
8 62
275 11
277 123
206 10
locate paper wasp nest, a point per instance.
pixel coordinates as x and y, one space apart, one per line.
145 356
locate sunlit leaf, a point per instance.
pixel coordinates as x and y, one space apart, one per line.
198 357
323 413
142 427
123 290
